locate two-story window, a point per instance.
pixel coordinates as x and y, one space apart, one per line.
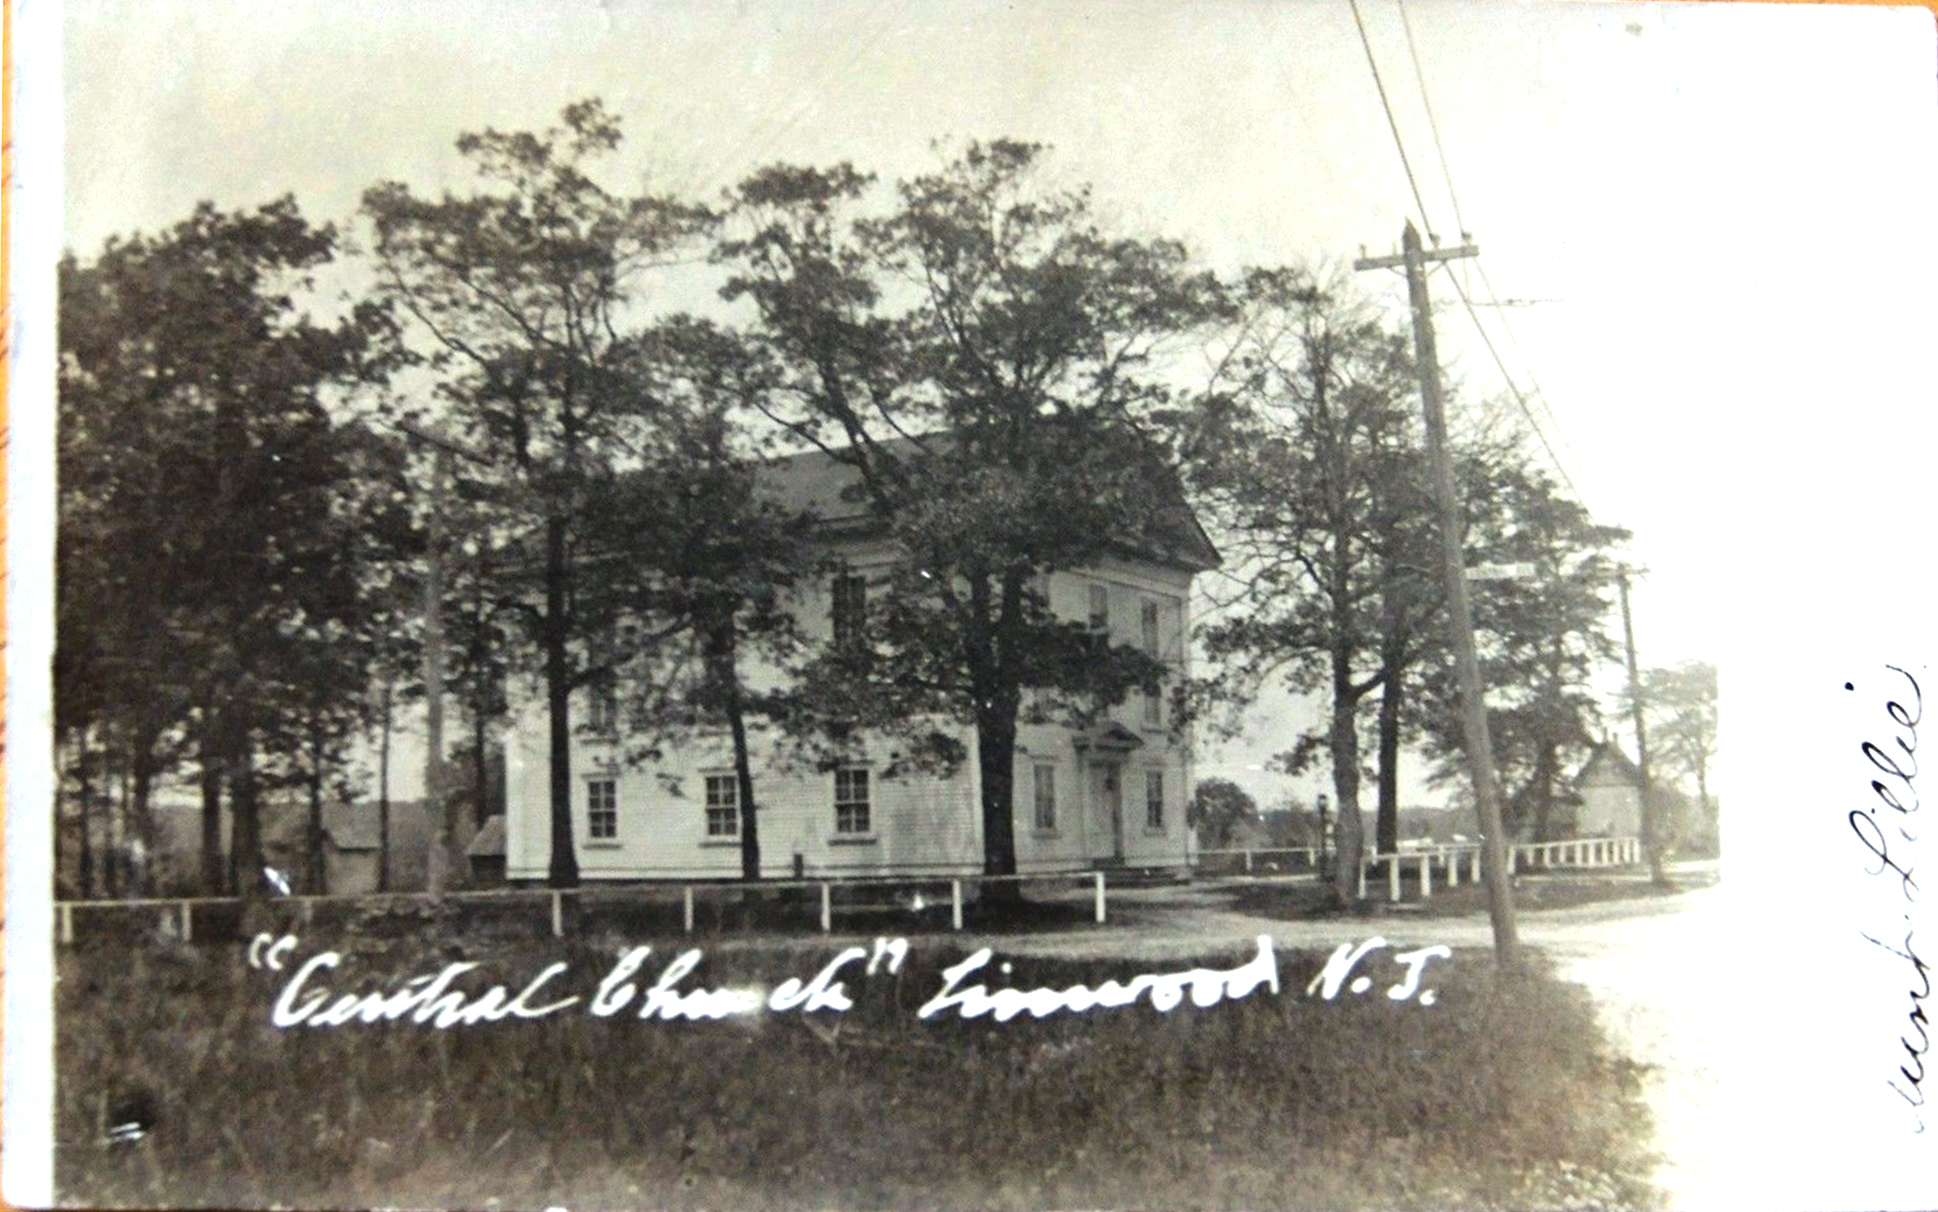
602 809
1100 609
1154 703
1045 797
850 608
723 806
1149 633
851 807
1154 799
602 706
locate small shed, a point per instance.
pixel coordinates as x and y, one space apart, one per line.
487 854
352 848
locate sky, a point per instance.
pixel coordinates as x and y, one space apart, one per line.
1704 218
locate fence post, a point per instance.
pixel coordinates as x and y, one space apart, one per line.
688 907
67 923
1393 877
1362 877
188 922
1248 860
1426 875
1513 858
558 914
1099 876
955 904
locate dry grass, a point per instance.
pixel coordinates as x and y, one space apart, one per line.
1498 1095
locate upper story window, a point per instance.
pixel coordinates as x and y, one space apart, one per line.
1154 799
1046 797
602 809
851 806
1100 608
1153 702
1148 620
723 805
850 610
602 706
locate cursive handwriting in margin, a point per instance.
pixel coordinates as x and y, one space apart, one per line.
1888 840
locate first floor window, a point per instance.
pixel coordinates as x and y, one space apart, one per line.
602 809
851 800
1046 797
1154 799
723 805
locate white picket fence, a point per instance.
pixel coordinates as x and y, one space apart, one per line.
1588 853
176 915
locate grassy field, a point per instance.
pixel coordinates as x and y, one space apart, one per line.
1498 1095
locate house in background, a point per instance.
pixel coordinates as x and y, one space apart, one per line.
1610 789
1112 793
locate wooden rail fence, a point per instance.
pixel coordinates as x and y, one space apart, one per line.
177 914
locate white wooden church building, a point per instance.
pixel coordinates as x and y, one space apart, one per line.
1112 794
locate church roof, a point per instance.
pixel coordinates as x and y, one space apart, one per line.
829 488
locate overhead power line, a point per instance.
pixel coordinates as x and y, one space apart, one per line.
1466 298
1433 124
1514 389
1392 123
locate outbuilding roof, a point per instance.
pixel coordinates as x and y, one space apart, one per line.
489 842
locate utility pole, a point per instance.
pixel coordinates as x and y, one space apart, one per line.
1473 706
1651 828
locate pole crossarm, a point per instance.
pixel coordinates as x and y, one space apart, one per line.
1399 260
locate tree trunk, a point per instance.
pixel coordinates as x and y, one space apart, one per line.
117 799
722 659
1708 810
996 760
61 892
85 794
564 870
245 807
1343 743
315 878
1544 768
214 870
1387 825
383 790
141 785
480 769
481 696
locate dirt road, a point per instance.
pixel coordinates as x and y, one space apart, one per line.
1649 964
